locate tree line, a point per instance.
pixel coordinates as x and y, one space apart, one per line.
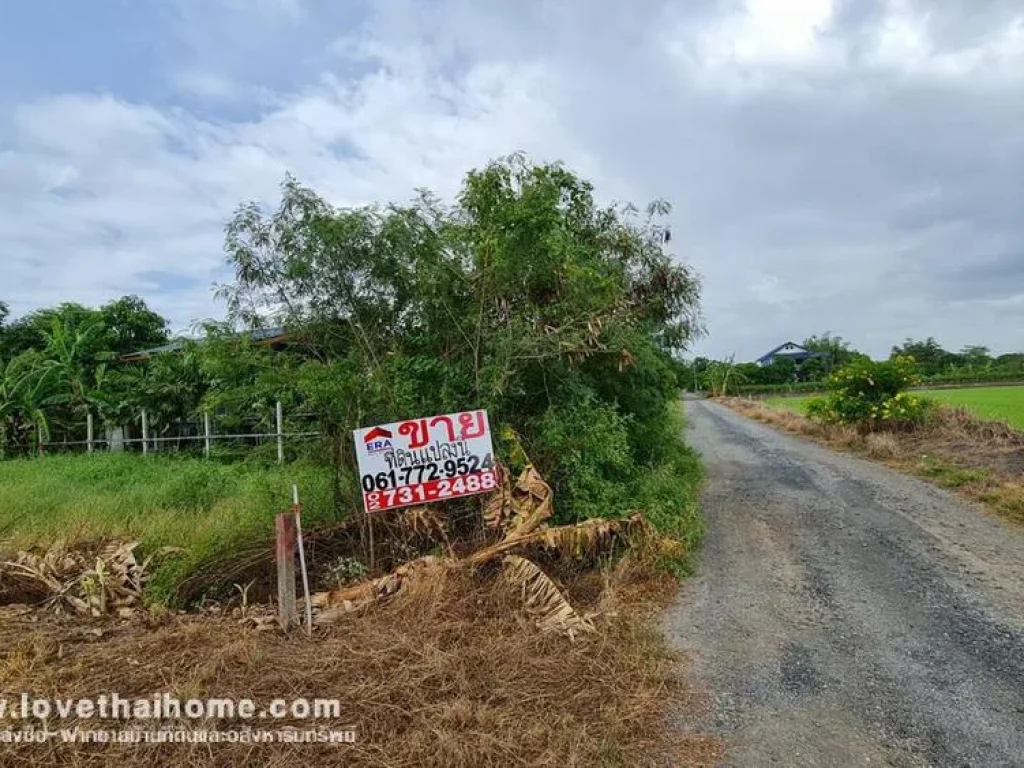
58 363
561 317
930 359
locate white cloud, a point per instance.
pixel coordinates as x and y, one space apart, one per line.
105 191
206 85
767 32
829 170
904 44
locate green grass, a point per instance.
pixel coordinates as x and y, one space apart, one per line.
995 403
210 509
950 475
797 404
204 507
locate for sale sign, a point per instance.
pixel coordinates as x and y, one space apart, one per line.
423 460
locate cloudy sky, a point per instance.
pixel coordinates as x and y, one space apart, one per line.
841 165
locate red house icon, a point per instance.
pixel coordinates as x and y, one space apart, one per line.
377 433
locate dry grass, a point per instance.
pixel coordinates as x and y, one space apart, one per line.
450 674
982 460
1007 498
961 423
882 445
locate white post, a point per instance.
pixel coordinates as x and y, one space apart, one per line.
302 559
280 433
88 431
206 433
145 433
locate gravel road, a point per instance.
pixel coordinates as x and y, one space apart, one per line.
843 614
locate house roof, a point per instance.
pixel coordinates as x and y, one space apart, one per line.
260 335
801 352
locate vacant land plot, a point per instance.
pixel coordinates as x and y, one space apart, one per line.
450 674
454 669
204 508
991 403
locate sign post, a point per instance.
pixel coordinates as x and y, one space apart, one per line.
425 460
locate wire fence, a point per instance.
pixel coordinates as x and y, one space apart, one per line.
118 438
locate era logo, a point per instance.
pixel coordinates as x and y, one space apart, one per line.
377 439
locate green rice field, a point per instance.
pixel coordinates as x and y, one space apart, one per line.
994 403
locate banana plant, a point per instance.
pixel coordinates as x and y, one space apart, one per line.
721 374
72 361
26 391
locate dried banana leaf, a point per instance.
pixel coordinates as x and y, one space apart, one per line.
542 599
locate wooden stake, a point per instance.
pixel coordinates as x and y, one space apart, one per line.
88 431
286 541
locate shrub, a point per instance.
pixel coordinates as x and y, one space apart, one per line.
867 392
589 447
774 389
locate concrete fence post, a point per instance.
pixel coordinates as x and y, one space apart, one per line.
206 433
280 433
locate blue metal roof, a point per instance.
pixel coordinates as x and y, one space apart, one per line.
803 354
259 334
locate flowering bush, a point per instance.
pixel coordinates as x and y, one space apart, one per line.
867 392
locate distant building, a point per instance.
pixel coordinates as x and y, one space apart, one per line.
788 351
272 337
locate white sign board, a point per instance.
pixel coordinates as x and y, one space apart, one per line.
424 460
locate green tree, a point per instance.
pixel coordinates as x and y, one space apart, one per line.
524 297
929 355
130 325
29 332
976 357
74 346
752 373
837 351
1013 361
782 370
